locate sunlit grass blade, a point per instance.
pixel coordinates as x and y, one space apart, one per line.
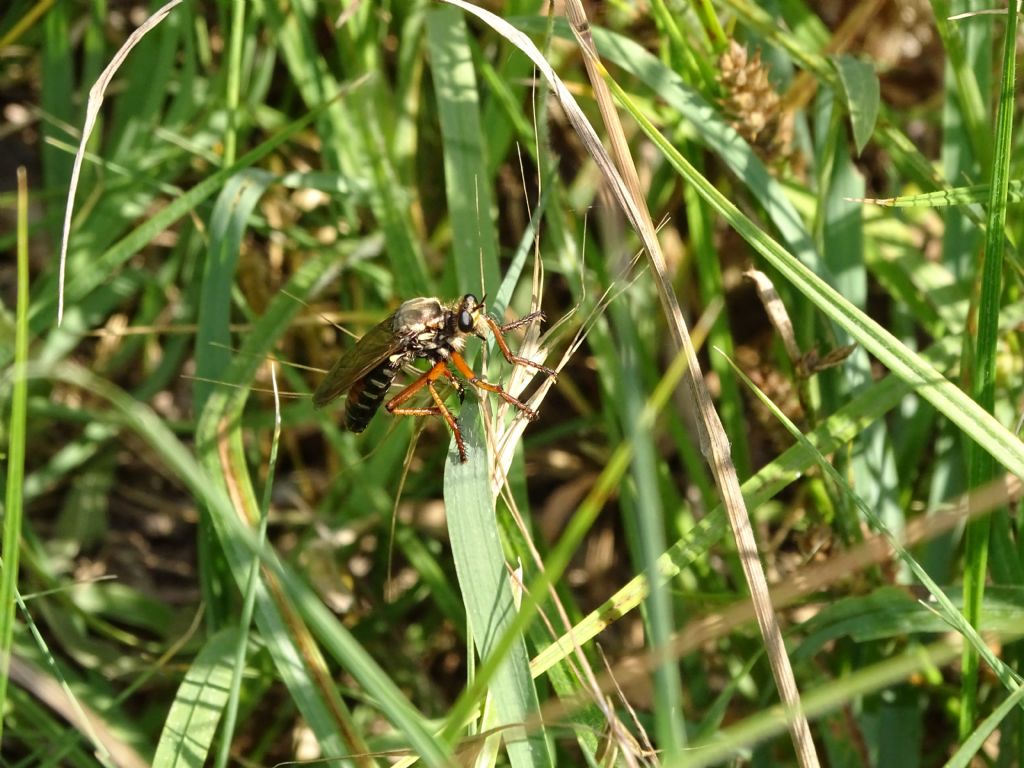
249 593
945 608
947 398
838 429
467 187
188 733
981 464
15 459
487 591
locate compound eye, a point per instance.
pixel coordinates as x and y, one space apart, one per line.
466 323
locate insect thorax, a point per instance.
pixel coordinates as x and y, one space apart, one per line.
430 331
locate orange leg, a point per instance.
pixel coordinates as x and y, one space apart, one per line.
476 381
427 380
498 331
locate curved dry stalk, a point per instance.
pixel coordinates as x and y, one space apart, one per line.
625 186
96 94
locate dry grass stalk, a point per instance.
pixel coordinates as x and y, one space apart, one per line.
713 441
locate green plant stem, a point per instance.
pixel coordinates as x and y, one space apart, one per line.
15 452
981 465
234 81
248 606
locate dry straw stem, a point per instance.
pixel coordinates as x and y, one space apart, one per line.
777 313
713 441
109 744
92 112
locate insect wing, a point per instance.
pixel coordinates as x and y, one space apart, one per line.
370 351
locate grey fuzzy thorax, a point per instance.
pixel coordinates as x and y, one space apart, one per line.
431 329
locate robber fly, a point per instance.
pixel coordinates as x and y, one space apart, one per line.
419 328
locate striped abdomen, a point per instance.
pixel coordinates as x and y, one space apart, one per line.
366 395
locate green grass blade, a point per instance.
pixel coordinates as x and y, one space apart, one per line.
947 398
864 409
861 94
981 465
228 224
187 735
487 592
971 103
249 594
233 81
16 430
872 460
709 277
963 231
499 300
467 186
57 81
643 505
968 752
